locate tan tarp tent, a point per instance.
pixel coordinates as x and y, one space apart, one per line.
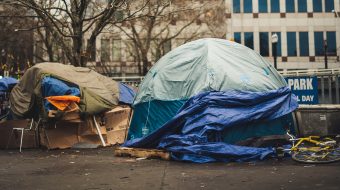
98 93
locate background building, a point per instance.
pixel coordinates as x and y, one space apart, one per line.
304 28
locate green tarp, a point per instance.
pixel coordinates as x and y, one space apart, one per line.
98 92
208 65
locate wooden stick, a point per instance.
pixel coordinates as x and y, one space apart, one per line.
99 133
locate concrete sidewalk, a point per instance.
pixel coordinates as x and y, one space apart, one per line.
99 169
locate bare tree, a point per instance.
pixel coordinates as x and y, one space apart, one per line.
16 46
164 20
71 20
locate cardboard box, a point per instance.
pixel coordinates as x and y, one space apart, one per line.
118 118
67 134
116 136
61 137
88 127
72 116
30 139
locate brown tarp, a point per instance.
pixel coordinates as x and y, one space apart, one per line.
98 92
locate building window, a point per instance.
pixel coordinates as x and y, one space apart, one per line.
236 6
237 37
264 44
249 40
331 43
278 45
317 6
290 6
318 43
129 51
275 6
302 6
304 46
263 6
105 50
291 44
116 50
247 6
329 5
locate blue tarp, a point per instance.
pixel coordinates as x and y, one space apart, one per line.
55 87
7 83
126 94
191 134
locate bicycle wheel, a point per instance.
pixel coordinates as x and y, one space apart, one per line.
316 155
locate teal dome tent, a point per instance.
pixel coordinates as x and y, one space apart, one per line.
199 70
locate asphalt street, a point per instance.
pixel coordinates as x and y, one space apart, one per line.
100 169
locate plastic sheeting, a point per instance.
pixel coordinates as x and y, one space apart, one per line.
208 65
126 94
56 87
192 135
98 93
7 83
63 102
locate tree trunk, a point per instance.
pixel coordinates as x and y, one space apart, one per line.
145 62
90 45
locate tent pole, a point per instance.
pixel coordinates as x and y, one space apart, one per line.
99 133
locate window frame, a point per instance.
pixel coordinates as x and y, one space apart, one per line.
318 43
263 6
105 56
332 42
237 9
251 35
244 6
264 50
294 8
271 6
304 43
329 6
289 47
315 10
302 9
239 35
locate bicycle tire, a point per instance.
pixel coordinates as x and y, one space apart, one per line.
316 157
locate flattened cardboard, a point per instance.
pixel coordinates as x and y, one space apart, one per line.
116 136
117 118
68 133
88 127
61 137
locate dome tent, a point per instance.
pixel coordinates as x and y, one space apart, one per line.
203 89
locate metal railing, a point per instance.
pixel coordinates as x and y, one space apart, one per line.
130 80
310 72
328 82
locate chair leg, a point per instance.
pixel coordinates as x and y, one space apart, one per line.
22 136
